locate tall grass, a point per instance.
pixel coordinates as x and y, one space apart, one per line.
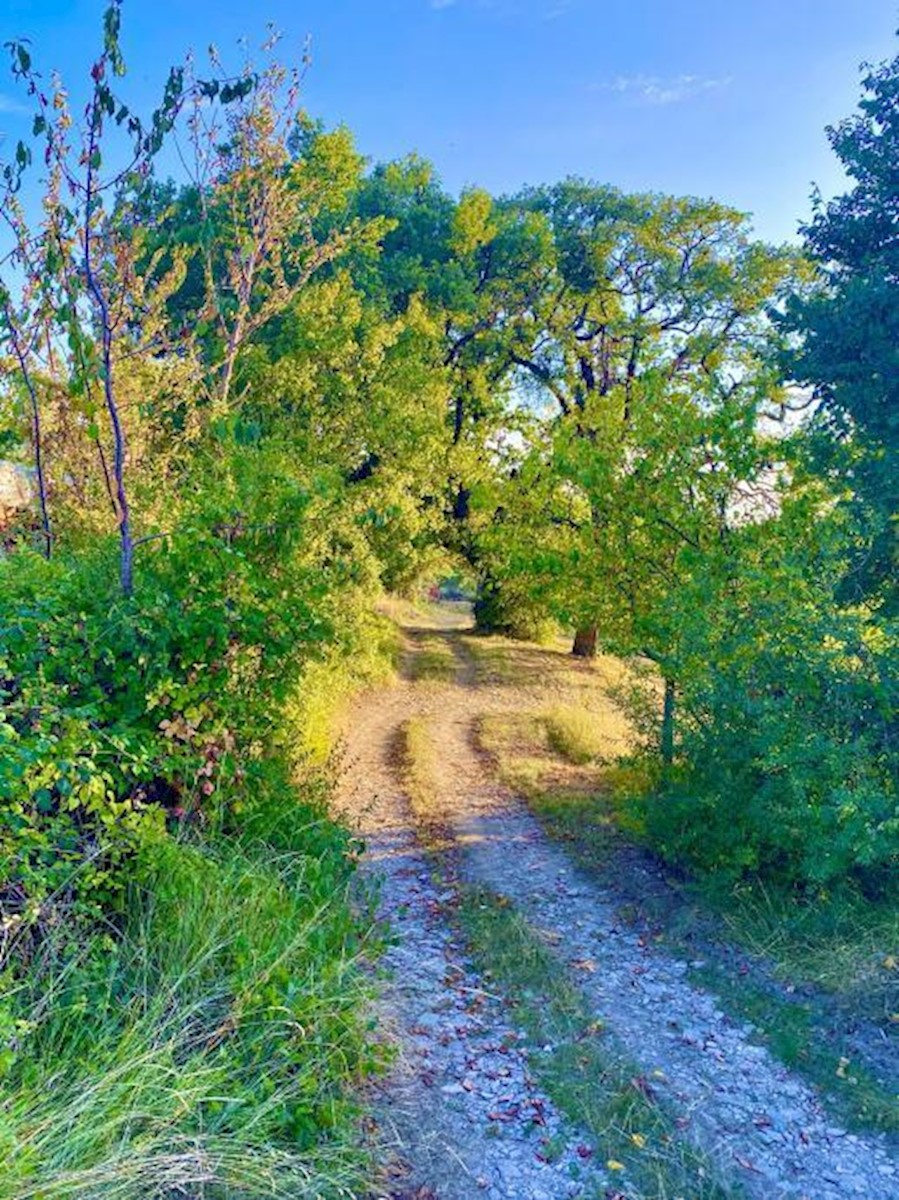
209 1050
318 706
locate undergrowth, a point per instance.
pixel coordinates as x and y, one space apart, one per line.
210 1045
181 999
319 702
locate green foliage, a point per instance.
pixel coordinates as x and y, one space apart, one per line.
848 331
788 703
290 384
511 608
368 654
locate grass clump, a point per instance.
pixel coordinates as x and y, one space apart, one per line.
574 733
584 1076
211 1046
433 661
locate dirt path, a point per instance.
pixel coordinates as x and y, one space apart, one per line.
460 1115
461 1110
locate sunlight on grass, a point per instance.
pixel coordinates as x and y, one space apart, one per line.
582 735
320 702
433 661
216 1049
415 754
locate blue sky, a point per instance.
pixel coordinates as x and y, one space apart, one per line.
724 98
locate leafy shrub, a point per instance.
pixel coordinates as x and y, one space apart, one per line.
788 752
510 608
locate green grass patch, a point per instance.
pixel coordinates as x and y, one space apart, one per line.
433 661
580 1071
841 942
214 1045
794 1033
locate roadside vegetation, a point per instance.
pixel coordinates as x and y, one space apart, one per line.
816 975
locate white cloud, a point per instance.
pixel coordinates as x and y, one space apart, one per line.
654 89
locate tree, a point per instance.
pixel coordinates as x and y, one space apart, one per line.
650 328
84 255
475 265
849 331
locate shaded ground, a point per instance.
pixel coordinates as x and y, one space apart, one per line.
462 1112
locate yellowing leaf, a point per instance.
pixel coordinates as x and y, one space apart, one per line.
638 1139
614 1165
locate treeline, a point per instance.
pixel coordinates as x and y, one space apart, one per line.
259 396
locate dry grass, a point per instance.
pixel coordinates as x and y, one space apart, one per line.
415 756
584 735
433 661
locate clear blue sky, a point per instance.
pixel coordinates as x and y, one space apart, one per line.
725 98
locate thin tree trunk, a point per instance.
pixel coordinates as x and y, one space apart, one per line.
667 739
126 537
585 642
36 436
39 468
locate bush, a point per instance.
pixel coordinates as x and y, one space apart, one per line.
505 608
788 761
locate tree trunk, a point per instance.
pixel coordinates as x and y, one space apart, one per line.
585 642
668 722
36 435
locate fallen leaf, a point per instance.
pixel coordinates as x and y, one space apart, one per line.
746 1164
614 1165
